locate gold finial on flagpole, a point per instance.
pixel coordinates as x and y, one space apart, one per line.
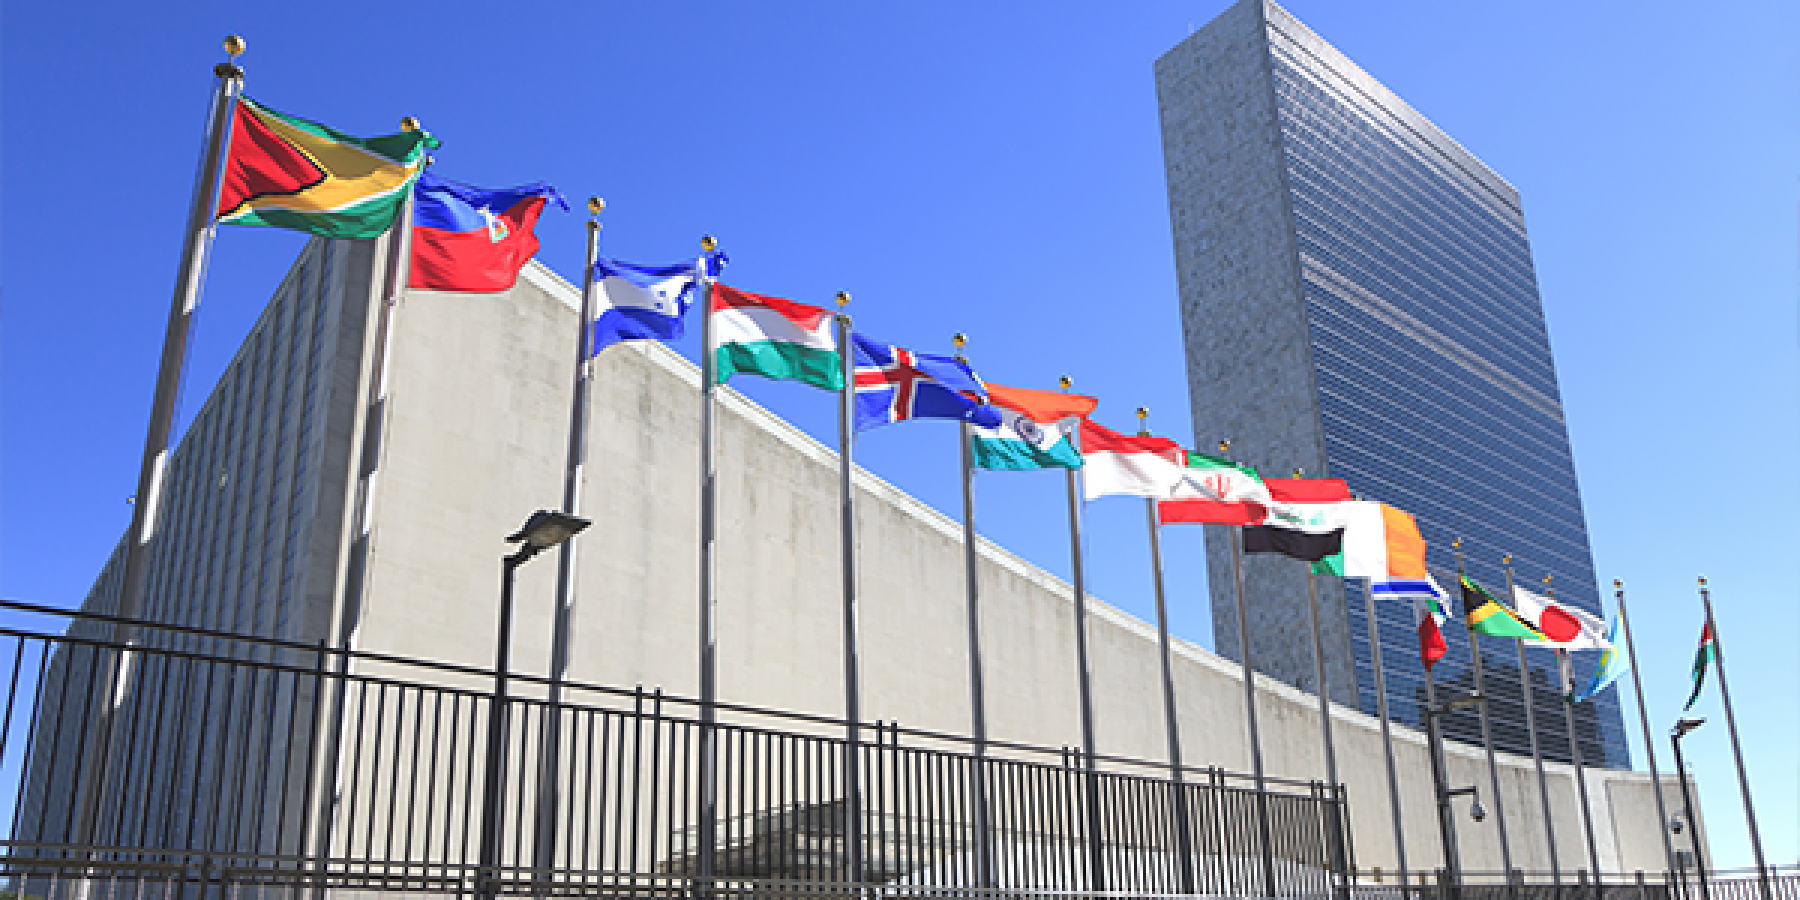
408 123
1299 471
1703 581
959 340
1456 544
1618 585
1066 382
1225 448
843 299
1506 560
596 205
707 243
1143 414
234 47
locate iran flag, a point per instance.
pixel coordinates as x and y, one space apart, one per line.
1564 627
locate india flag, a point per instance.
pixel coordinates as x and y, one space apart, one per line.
774 338
1035 431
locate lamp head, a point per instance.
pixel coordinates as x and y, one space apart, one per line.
546 529
1688 724
1477 811
1675 824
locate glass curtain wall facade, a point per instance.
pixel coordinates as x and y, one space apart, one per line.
1402 283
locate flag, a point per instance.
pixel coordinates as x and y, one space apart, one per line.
774 338
1563 626
1709 650
1612 665
1305 520
894 384
1141 465
1215 489
1036 430
287 172
644 302
472 239
1487 616
1381 542
1428 610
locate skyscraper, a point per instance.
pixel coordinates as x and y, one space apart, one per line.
1359 301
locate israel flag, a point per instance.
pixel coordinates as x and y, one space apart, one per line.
645 302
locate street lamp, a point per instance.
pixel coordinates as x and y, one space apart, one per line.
1446 816
544 530
1687 800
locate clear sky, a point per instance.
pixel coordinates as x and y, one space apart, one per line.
991 168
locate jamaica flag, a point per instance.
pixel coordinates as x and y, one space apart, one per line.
1487 616
287 172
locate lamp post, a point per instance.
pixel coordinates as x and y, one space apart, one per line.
1687 800
1440 786
544 530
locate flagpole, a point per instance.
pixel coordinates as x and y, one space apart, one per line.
708 621
1537 756
1096 846
1440 782
977 691
1568 692
190 275
1737 750
1387 735
548 795
847 528
1183 828
1637 685
1323 683
1487 735
1256 754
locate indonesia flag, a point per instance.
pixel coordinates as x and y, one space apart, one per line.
473 239
1140 465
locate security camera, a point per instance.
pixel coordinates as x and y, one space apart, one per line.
1477 811
1675 825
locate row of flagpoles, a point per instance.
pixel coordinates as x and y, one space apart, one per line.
261 167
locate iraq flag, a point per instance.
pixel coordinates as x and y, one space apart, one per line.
1305 519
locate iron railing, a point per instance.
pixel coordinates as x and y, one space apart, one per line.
147 757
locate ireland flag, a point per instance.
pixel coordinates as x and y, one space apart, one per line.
1034 432
774 338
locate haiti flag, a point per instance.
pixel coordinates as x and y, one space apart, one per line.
473 239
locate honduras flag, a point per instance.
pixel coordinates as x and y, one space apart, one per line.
894 384
646 302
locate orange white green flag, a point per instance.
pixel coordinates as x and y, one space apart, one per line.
288 172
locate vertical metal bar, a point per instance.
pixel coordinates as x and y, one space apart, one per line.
1323 683
1637 685
1184 844
852 683
984 864
1537 755
1737 749
1083 671
1487 742
1440 787
1387 735
1687 803
488 875
1256 754
566 557
1587 813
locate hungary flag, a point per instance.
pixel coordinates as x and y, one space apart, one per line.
774 338
1034 432
1709 651
287 172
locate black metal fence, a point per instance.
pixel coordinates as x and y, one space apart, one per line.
1736 884
150 758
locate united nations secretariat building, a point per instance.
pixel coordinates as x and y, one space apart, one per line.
309 698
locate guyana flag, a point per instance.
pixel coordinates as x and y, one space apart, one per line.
286 172
1487 616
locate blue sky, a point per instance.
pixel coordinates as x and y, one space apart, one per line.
993 169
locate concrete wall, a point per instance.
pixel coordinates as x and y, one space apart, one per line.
478 417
